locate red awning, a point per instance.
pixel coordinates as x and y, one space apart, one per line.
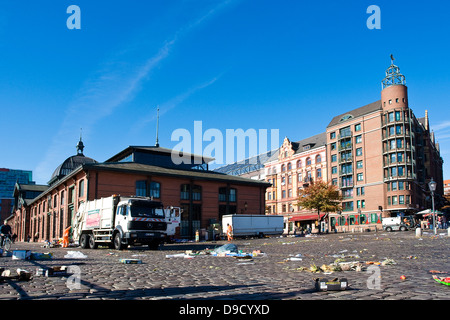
305 217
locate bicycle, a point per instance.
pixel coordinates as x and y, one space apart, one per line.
6 242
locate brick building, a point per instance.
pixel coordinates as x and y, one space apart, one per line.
382 157
143 171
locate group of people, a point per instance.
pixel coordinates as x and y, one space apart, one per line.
441 222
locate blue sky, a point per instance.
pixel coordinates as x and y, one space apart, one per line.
287 65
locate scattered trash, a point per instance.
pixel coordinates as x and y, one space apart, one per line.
388 262
41 256
436 271
227 248
411 257
21 254
22 275
402 277
442 280
75 255
130 261
52 271
333 285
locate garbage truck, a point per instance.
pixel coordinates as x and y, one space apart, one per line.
248 225
119 221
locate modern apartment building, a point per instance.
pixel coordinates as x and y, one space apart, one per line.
382 157
8 179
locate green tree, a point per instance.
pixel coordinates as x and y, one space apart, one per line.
320 196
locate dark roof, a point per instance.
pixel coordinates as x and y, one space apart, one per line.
319 140
132 167
69 165
355 113
155 150
33 187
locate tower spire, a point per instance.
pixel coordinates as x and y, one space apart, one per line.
80 145
157 127
393 76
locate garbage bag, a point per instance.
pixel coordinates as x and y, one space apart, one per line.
227 248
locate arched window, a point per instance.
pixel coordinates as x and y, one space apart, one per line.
289 166
308 161
299 163
318 159
283 168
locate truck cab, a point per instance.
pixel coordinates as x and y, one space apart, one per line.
139 221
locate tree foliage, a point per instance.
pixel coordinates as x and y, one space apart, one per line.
320 196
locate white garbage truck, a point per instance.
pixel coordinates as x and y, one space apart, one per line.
251 225
122 221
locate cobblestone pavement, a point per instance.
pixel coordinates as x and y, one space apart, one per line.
267 277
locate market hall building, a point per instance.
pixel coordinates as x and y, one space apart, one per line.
204 195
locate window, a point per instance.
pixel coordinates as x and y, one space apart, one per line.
362 218
283 194
333 158
233 195
289 166
359 177
289 179
398 129
334 181
319 173
333 135
184 191
333 146
196 193
318 159
308 161
299 163
401 199
358 127
358 139
399 143
359 152
394 200
62 197
359 164
401 185
394 186
393 171
397 116
290 193
81 188
334 170
283 168
141 188
391 117
347 206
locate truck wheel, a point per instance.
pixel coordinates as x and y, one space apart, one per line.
84 241
118 242
402 228
92 244
154 245
388 229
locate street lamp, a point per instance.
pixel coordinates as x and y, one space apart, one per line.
432 185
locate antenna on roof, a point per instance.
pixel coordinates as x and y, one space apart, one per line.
157 128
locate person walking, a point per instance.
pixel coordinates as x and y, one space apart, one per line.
229 232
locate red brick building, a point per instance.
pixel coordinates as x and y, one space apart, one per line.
143 171
382 157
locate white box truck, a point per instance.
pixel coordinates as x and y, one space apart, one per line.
247 225
121 221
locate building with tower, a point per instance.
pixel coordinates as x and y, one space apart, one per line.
381 156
